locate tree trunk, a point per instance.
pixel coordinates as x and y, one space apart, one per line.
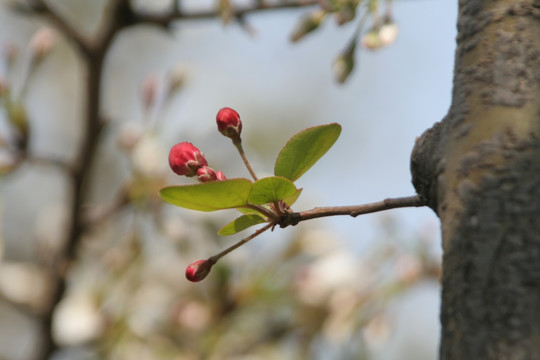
479 170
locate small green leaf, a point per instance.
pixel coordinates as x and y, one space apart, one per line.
292 199
250 211
270 189
210 196
241 223
304 149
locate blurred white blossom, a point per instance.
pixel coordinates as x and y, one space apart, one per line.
25 284
149 157
77 320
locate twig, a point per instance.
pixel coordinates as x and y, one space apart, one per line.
216 257
354 210
240 149
238 12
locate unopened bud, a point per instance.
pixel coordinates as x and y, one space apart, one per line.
42 43
186 159
10 52
176 79
220 176
206 174
198 270
149 90
372 40
229 123
346 13
344 65
307 24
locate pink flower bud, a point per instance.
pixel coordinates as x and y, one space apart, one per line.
198 270
220 176
205 174
229 123
186 159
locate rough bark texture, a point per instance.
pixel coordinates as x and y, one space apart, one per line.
479 170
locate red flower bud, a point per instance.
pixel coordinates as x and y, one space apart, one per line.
229 123
220 176
186 159
198 270
205 174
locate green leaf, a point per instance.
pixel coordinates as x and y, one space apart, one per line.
250 211
241 223
270 189
210 196
292 199
304 149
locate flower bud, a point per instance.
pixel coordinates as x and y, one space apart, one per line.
220 176
149 90
198 270
344 65
308 24
229 123
42 43
372 40
205 174
186 159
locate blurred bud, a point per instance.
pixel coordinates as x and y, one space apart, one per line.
229 123
372 40
149 90
42 43
176 79
10 52
206 174
344 65
346 13
307 24
220 176
388 33
18 118
4 87
5 168
198 270
186 159
225 11
128 135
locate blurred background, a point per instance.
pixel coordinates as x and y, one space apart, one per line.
333 288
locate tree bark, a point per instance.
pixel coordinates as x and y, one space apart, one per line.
479 170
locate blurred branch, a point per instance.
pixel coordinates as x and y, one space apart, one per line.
41 7
238 12
97 216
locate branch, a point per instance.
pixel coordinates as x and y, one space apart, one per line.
238 12
354 210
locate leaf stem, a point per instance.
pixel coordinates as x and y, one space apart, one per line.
266 212
216 257
240 149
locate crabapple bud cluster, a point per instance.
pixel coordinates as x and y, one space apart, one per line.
186 159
